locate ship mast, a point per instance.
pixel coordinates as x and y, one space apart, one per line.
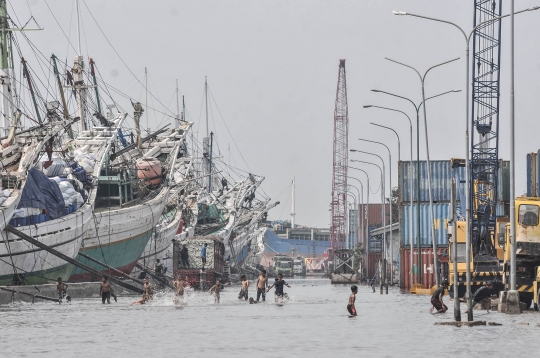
177 121
6 69
78 78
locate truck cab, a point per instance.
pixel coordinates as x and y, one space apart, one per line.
284 265
299 268
482 270
527 250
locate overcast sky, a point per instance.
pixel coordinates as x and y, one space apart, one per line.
272 68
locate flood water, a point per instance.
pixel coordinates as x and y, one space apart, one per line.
314 323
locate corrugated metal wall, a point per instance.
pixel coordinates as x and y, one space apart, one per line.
441 175
441 213
441 179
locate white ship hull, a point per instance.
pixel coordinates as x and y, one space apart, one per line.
37 266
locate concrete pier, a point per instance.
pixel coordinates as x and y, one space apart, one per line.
512 302
75 290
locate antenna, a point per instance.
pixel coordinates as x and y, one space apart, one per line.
78 30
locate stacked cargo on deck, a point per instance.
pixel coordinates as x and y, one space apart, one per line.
54 190
441 177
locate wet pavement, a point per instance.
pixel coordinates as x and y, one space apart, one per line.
313 323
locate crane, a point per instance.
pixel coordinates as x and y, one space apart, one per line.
338 229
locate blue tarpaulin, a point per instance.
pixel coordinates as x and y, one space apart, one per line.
43 193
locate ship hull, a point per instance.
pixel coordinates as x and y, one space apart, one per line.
269 245
157 246
118 237
64 234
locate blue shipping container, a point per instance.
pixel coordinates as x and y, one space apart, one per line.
441 213
441 179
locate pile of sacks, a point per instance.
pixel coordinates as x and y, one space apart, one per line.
74 197
4 194
83 164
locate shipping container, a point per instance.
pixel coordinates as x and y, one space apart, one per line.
441 179
375 220
441 215
372 266
427 271
533 178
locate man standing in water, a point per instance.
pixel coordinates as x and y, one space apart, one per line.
262 283
279 287
352 299
203 255
437 299
244 290
61 289
105 290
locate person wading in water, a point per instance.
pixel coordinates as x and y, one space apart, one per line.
262 284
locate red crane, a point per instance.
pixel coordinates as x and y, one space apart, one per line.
338 230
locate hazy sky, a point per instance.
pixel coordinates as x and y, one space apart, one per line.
272 68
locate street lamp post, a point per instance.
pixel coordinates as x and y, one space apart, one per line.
410 184
417 110
432 214
360 199
383 208
391 202
361 196
391 212
397 136
366 233
467 169
349 226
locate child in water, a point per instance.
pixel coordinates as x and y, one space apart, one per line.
352 299
217 289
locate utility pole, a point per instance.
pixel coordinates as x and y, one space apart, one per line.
453 234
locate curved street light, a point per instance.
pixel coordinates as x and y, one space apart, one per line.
512 173
417 110
432 215
391 210
383 206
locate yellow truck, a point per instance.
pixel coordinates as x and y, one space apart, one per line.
527 250
484 268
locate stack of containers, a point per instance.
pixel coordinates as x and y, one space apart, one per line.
441 178
533 177
372 244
